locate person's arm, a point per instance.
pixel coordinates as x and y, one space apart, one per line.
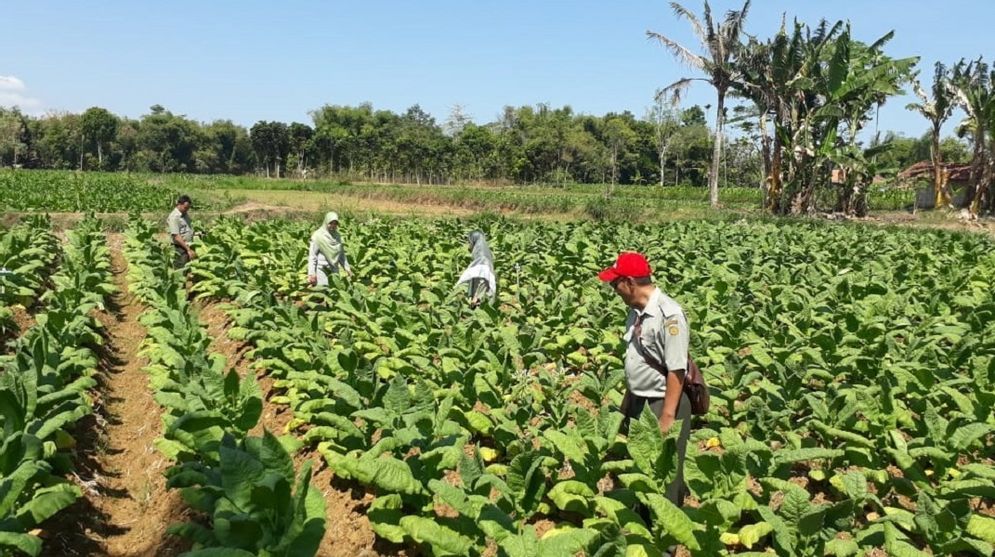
312 263
178 240
344 261
672 343
671 400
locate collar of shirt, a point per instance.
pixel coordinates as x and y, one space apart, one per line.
652 305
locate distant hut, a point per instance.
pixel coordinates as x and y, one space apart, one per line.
955 177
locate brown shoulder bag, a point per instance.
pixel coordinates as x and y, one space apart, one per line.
694 382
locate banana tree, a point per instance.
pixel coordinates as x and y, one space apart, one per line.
974 84
820 87
936 106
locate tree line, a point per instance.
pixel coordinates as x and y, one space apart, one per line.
528 144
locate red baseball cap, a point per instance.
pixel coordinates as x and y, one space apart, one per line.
628 264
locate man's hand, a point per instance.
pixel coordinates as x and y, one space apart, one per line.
671 400
312 279
191 254
474 303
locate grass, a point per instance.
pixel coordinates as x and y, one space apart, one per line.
249 195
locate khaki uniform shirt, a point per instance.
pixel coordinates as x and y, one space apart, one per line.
179 223
665 336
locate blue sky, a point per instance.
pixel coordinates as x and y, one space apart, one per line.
251 60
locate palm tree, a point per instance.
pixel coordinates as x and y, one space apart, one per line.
974 86
721 45
937 110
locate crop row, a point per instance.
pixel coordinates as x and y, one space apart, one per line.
852 374
244 485
44 389
28 254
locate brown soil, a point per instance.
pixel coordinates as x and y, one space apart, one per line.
542 526
22 318
126 508
214 319
943 220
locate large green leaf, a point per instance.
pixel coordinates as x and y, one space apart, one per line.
646 444
671 519
393 476
47 501
22 542
441 539
572 496
981 527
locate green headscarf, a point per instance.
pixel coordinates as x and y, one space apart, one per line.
329 242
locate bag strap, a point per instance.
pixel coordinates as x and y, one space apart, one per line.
650 359
638 341
656 364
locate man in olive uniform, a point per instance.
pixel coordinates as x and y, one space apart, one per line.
656 356
181 232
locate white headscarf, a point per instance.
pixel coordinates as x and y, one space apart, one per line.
482 264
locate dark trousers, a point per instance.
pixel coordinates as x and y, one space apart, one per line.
676 490
181 257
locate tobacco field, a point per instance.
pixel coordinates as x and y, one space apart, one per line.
852 372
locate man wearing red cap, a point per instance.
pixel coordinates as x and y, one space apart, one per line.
657 353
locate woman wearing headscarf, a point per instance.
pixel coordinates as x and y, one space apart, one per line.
480 274
326 253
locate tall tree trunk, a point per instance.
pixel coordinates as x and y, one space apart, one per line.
775 186
713 177
611 190
982 197
941 197
100 157
764 159
978 171
663 162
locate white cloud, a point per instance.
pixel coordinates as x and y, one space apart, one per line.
13 92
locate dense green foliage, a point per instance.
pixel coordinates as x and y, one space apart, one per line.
44 382
93 192
852 370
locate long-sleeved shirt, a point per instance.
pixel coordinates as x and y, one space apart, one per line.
316 261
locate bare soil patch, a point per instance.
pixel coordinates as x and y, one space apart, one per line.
936 220
23 320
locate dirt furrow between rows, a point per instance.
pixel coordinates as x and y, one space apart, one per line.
126 507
